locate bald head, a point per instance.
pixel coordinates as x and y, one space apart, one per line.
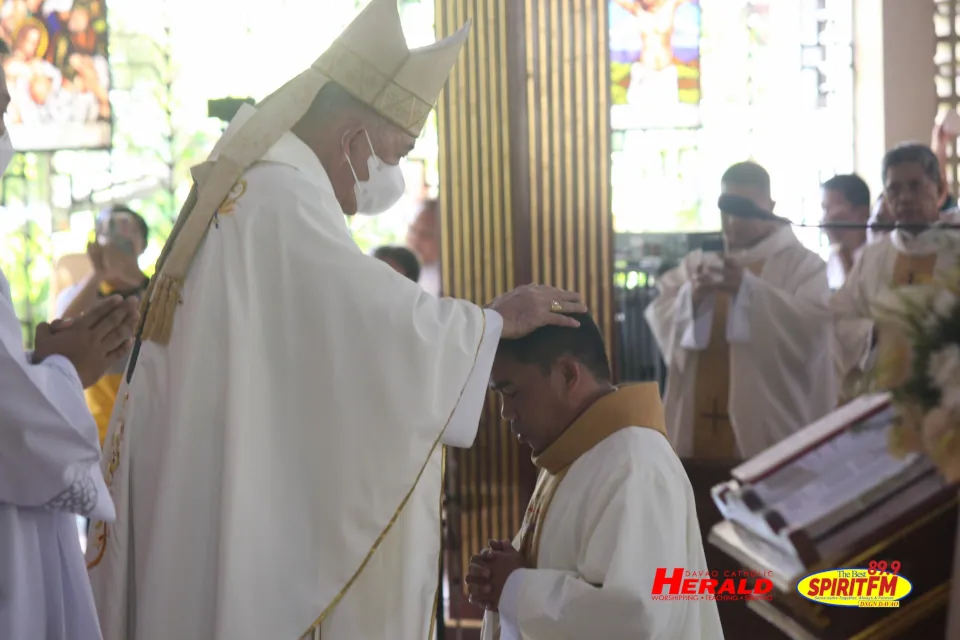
341 130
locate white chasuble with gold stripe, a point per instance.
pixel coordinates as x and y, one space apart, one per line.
780 337
896 260
276 465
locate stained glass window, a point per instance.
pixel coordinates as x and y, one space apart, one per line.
655 63
723 81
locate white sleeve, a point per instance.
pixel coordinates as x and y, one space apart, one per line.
796 319
853 323
462 429
738 320
661 315
507 607
695 323
609 597
49 448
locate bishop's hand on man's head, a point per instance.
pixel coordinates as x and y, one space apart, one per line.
489 571
532 306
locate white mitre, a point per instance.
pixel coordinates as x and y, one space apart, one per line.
371 61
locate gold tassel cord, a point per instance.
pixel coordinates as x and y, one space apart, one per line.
158 325
146 309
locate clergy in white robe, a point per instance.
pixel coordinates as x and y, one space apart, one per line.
49 468
49 474
846 201
911 254
612 504
750 362
275 452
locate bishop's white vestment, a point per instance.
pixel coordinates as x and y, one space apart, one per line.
49 471
612 505
777 340
278 462
895 259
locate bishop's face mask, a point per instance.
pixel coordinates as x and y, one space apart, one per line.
6 152
384 188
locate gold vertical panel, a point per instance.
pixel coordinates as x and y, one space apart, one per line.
503 183
568 150
593 183
504 266
531 98
445 141
552 66
478 262
604 223
539 217
581 162
524 194
568 131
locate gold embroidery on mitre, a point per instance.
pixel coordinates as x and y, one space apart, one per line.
369 85
229 204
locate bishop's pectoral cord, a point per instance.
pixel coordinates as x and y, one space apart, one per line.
188 205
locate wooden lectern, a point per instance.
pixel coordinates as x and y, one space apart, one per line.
831 497
737 619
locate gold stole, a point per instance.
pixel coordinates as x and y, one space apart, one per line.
713 435
909 269
547 484
632 405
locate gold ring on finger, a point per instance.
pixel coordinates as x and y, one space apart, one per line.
556 307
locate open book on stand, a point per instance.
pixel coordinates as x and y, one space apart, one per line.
798 496
831 496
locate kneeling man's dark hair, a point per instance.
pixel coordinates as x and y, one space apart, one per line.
547 344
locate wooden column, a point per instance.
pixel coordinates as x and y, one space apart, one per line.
524 129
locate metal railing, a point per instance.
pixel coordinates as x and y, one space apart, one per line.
638 355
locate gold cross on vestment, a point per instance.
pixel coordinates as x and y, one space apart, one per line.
715 416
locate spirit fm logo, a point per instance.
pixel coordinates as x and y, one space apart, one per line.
877 586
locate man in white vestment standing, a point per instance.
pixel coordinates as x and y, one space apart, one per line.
846 201
912 254
275 452
746 335
612 504
50 457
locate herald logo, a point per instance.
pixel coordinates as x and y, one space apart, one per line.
706 583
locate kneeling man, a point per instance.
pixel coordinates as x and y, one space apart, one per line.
612 503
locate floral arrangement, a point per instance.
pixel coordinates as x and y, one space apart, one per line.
918 362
